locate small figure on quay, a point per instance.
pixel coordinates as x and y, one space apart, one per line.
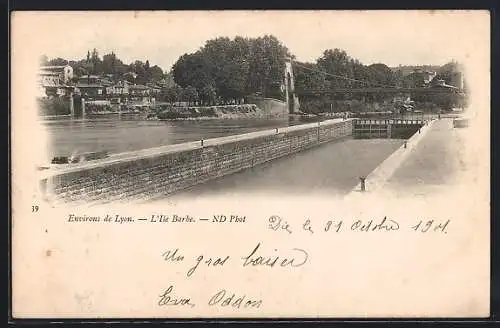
405 144
202 142
363 187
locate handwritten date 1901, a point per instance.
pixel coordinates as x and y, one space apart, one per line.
384 224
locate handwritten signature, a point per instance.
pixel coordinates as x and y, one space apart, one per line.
222 298
167 298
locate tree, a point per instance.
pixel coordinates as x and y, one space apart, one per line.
111 64
193 69
381 75
234 68
448 71
172 94
414 80
308 77
190 95
138 67
147 75
58 62
208 95
336 63
155 73
398 76
266 65
96 62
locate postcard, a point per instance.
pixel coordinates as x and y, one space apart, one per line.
250 164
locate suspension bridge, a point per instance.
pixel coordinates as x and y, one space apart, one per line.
367 87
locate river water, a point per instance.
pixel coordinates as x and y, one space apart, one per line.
333 169
116 135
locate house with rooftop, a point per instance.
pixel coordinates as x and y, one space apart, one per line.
52 80
92 86
121 88
139 90
142 95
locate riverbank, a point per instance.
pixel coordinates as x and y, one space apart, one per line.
250 111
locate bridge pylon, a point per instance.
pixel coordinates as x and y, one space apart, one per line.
292 100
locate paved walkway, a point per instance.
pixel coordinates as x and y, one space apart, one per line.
431 162
435 162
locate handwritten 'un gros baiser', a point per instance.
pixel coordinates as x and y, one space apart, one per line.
256 257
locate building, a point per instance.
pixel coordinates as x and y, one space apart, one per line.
92 90
428 77
457 80
92 86
52 80
139 90
422 75
119 89
59 74
154 89
93 79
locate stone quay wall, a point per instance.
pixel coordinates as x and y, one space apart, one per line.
157 172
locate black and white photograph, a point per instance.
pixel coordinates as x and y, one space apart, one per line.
274 141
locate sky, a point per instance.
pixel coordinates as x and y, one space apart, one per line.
389 37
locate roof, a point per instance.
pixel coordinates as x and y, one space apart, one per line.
444 86
91 85
53 68
87 77
52 85
48 73
139 87
117 86
59 86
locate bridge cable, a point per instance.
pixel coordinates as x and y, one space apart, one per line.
344 77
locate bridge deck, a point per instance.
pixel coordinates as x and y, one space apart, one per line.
301 92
